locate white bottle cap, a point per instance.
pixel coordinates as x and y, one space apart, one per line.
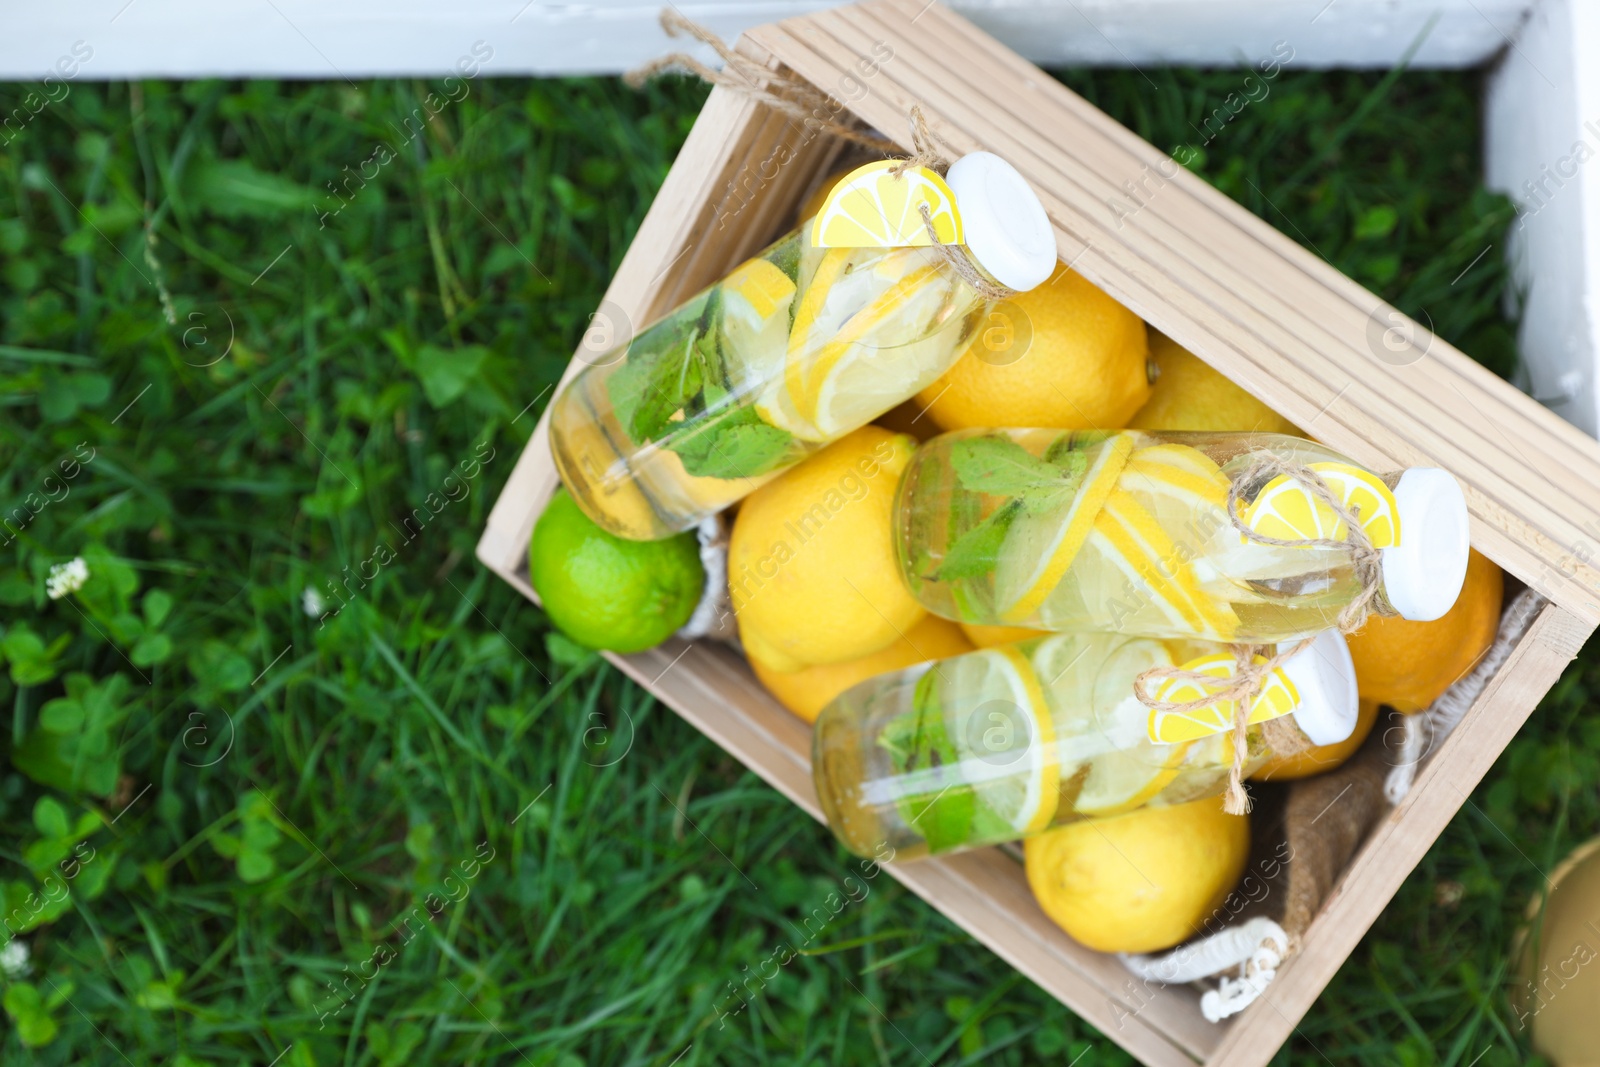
1423 574
1325 676
1005 227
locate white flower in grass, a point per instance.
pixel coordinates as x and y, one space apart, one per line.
311 602
14 959
66 578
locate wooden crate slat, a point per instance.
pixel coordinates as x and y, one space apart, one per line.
1318 270
1524 545
1209 243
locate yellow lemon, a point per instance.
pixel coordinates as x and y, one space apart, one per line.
760 652
990 636
1189 395
811 561
871 207
808 690
1407 665
1064 355
1319 759
1139 882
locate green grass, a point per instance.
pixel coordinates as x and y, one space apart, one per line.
286 793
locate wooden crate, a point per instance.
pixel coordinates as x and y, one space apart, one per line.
1273 317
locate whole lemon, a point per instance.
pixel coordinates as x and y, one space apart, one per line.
990 636
807 691
1188 394
1407 665
1319 758
811 561
1139 882
1063 356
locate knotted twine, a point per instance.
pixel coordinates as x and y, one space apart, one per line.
787 92
1253 665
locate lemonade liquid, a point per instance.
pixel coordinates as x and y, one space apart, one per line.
792 350
722 394
1127 531
1006 742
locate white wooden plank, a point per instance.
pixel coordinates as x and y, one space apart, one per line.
1542 124
363 38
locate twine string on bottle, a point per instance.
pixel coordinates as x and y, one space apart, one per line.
781 90
1253 667
787 92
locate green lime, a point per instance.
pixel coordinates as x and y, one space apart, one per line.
607 592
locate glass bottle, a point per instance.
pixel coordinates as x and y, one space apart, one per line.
1128 531
1006 742
792 350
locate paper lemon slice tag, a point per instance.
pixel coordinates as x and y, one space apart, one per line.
1278 696
872 208
1287 510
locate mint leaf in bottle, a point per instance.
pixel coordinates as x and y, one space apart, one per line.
919 742
975 553
735 444
999 466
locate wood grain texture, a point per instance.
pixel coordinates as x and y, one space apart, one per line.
1272 316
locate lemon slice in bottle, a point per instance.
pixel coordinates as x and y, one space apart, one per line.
891 347
1126 769
756 299
838 287
873 208
1134 543
1038 549
1287 510
1125 780
1007 750
1168 475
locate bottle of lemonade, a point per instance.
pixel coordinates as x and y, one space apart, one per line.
840 320
1128 532
1002 743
